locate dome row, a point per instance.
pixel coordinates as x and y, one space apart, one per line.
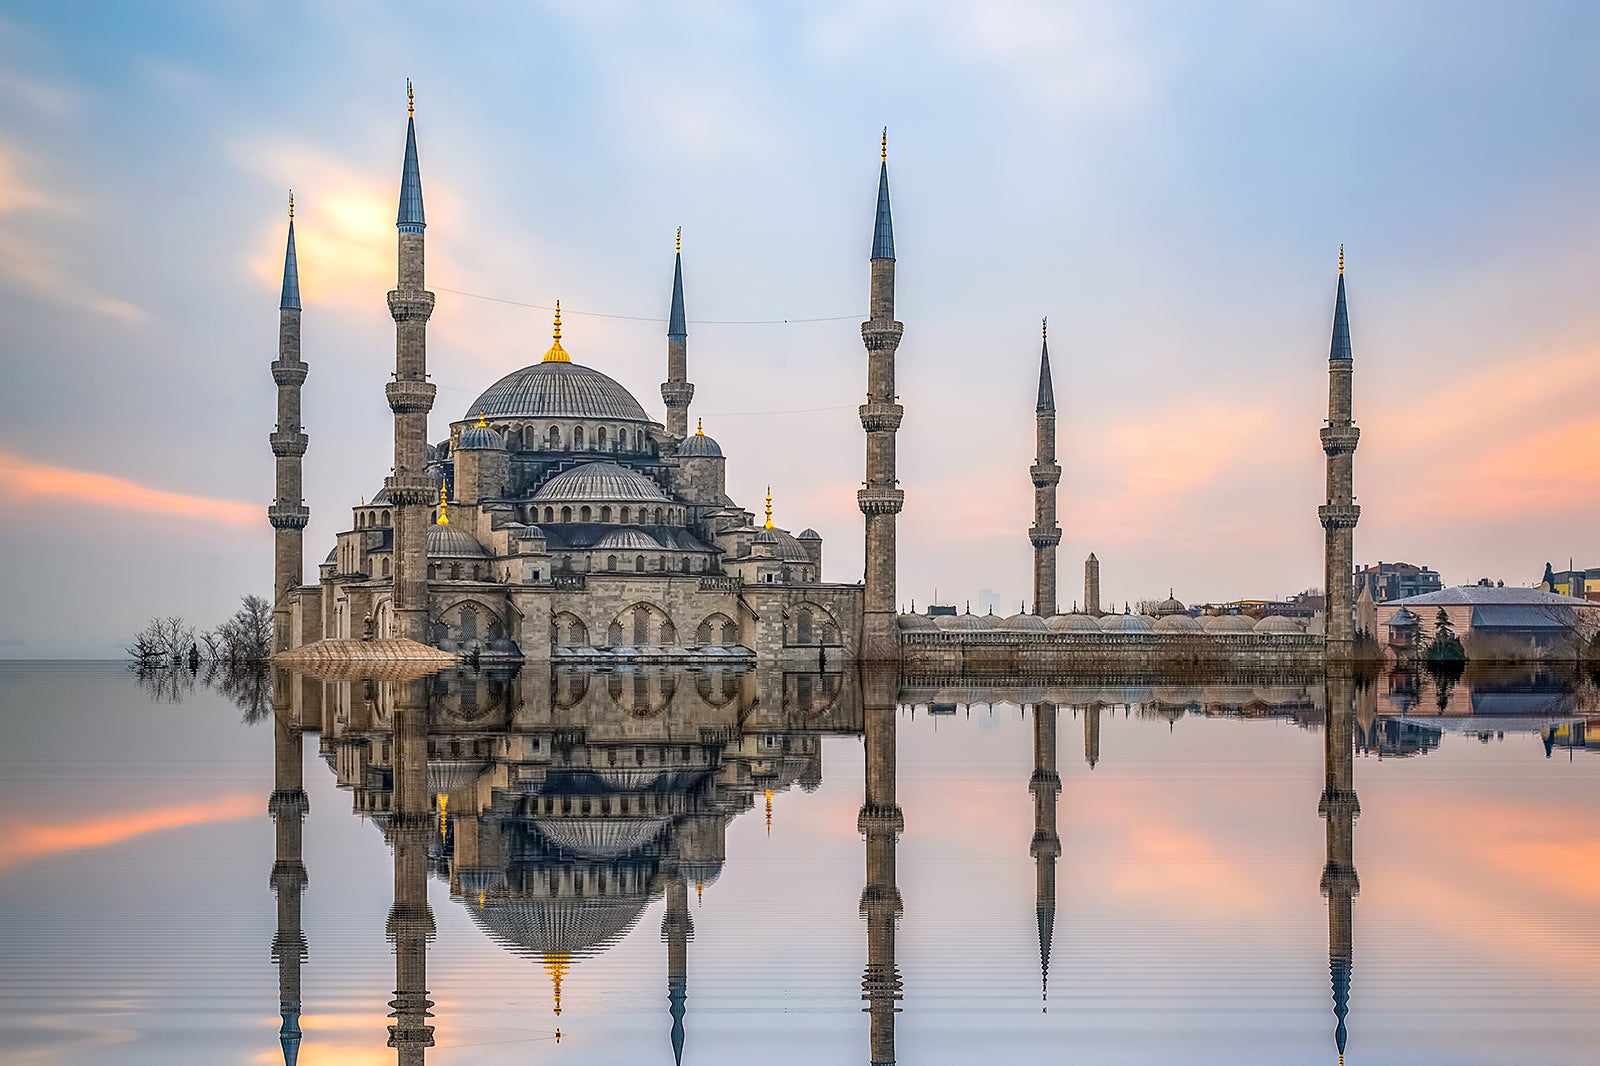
1111 623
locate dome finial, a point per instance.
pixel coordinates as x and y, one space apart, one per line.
769 791
769 518
556 964
481 422
699 427
444 506
699 891
411 100
557 354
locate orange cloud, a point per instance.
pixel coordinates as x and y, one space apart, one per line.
28 842
23 479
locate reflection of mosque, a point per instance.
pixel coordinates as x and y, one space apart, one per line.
557 808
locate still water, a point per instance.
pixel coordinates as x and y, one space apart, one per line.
793 869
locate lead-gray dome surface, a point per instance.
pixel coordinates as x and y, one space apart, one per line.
601 482
558 390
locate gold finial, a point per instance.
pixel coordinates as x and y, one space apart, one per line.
883 147
769 791
482 895
1044 328
556 964
411 100
444 813
557 354
769 526
1341 259
699 892
444 506
680 240
481 422
363 501
291 205
699 427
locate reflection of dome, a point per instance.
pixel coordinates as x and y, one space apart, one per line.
452 775
1073 623
628 540
480 438
1177 623
558 926
1230 623
453 542
1126 623
1277 623
600 837
558 390
600 481
703 872
1030 622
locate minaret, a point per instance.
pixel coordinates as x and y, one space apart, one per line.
410 398
410 925
1091 586
882 498
1339 808
1091 734
882 822
288 513
1045 784
677 391
1045 534
288 807
677 929
1340 514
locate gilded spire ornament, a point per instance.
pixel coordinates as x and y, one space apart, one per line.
291 205
481 422
769 507
444 506
883 147
557 354
699 427
1341 259
411 100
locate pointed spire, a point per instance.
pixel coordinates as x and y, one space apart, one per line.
677 324
1341 318
1340 971
677 993
1047 389
291 268
883 228
557 354
1047 921
410 218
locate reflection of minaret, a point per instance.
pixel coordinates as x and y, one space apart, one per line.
288 807
881 821
677 928
410 919
1091 734
1045 784
1339 807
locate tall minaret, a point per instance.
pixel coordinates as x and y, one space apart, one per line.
882 822
1339 808
288 513
288 807
677 390
410 398
1340 514
677 929
1045 534
882 498
1091 585
1045 784
410 925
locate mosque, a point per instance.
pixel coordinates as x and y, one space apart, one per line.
559 520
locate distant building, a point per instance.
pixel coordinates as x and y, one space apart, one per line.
1579 584
1533 616
1396 581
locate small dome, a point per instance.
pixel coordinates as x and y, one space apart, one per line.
698 444
916 623
1127 623
1073 623
789 549
1177 623
627 540
808 534
606 482
531 533
973 621
1029 622
481 438
333 556
380 498
766 536
1277 623
453 542
1170 605
1230 623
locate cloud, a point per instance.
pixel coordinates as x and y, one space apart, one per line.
22 480
28 842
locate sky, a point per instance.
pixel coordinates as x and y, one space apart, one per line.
1169 185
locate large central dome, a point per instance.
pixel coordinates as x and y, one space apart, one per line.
558 390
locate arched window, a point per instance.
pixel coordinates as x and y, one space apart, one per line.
625 513
638 564
669 632
605 514
477 571
611 562
455 571
802 626
385 566
554 439
583 513
577 438
566 514
549 514
361 519
600 439
640 438
614 633
387 520
661 562
641 626
686 564
433 571
658 516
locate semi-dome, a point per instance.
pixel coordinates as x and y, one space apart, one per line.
1073 623
531 533
808 534
698 444
1126 623
1277 623
604 482
558 390
480 438
453 542
627 540
1230 623
1025 622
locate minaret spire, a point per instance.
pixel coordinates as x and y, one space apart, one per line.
882 499
1045 534
410 397
288 513
1340 513
677 391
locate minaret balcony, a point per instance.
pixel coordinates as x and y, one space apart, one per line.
872 817
1338 803
410 397
676 393
1339 515
878 335
287 443
1338 880
1340 439
1044 538
410 305
882 417
880 501
288 516
411 490
1045 846
1045 475
289 372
